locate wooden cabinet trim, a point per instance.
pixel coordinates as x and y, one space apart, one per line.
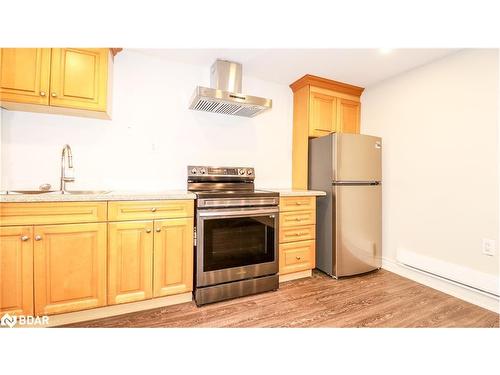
311 80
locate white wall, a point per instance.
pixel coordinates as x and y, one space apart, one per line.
439 125
153 135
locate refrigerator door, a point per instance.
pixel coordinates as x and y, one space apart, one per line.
357 157
358 229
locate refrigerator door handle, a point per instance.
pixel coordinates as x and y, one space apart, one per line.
355 183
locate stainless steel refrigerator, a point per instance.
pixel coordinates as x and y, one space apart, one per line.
348 220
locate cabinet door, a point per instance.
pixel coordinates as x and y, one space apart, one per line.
79 78
348 113
323 114
70 267
130 261
24 75
173 256
16 270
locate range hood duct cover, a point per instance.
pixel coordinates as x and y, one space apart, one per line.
224 96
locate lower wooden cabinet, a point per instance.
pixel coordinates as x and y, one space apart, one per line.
69 267
173 257
130 261
16 270
297 256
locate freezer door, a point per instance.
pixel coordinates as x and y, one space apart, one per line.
357 157
358 229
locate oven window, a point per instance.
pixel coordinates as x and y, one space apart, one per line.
236 242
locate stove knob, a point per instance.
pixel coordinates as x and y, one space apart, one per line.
193 171
203 171
249 172
241 172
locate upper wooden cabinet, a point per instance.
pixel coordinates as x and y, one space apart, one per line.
25 75
72 81
79 78
320 107
323 114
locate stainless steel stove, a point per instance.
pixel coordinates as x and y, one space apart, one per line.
236 234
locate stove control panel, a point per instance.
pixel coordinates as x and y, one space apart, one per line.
220 171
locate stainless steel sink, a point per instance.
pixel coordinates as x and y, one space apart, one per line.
73 192
30 192
85 192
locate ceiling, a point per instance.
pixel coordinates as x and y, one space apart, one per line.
360 67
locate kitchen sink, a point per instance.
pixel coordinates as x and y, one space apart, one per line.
87 192
29 192
72 192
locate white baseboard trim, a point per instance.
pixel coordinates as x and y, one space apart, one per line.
471 295
125 308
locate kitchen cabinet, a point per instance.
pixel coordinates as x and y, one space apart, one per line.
348 117
72 256
130 261
79 78
25 75
320 107
323 114
72 81
69 267
16 270
173 256
297 234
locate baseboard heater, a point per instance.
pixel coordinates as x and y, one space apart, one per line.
483 282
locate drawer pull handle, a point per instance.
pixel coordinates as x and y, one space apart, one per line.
153 209
38 238
24 238
298 258
148 230
298 219
158 230
300 233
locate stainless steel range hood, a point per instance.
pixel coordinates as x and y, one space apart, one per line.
224 96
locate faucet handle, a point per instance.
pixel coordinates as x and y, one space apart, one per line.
45 187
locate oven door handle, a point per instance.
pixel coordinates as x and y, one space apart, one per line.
221 213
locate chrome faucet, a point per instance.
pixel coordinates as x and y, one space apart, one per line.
66 151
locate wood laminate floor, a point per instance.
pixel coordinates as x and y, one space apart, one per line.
378 299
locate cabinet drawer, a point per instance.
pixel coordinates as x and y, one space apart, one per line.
144 210
296 218
301 233
297 256
52 212
297 203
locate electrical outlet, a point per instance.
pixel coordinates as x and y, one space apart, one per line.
489 247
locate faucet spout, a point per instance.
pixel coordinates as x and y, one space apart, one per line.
66 153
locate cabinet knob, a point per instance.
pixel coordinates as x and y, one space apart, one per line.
53 94
148 230
42 93
153 209
298 258
24 238
158 230
38 238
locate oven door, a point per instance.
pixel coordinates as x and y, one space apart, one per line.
235 244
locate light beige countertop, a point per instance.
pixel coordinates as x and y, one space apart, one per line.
104 196
297 192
